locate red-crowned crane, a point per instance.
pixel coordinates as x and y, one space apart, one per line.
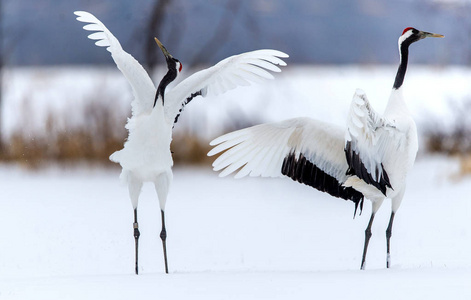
146 155
370 159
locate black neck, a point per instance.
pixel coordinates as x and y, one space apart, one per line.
169 77
401 71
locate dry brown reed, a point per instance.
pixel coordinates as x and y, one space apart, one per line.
101 133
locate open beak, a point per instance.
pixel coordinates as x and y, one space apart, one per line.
165 52
429 34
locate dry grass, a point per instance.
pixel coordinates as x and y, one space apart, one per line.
94 141
103 132
454 139
464 167
191 150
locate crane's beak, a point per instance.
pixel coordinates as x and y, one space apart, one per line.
165 52
429 34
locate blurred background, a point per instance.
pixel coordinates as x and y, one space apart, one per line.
62 99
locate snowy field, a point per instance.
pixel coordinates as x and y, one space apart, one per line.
67 234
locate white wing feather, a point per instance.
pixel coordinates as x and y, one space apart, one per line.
237 70
142 86
260 150
372 136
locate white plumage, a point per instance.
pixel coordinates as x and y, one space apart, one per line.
260 150
146 155
369 158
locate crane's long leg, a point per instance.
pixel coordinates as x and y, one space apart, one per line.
163 237
135 225
388 238
162 183
367 239
134 186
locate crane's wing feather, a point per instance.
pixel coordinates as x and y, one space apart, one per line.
237 70
368 139
306 150
142 86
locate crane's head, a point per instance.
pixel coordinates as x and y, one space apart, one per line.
172 63
174 68
411 35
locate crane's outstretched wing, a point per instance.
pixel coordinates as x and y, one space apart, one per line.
369 138
142 86
237 70
306 150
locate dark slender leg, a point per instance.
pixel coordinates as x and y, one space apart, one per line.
163 237
388 238
367 240
135 225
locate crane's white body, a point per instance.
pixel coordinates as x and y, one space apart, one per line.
146 155
370 158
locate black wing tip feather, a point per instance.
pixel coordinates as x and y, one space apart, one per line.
359 203
356 167
300 169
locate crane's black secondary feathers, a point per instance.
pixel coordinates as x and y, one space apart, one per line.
198 93
356 167
300 169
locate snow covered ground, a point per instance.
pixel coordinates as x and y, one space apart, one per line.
67 234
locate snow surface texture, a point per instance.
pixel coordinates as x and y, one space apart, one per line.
68 235
323 93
